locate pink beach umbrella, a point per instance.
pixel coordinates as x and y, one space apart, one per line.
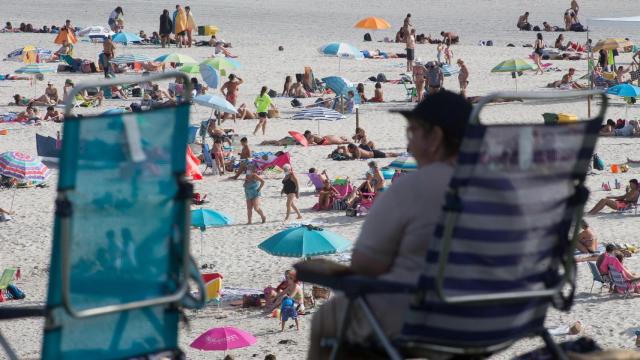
223 339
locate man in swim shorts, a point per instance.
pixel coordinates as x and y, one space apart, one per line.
361 153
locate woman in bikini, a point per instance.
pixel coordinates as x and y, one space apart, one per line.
358 152
356 196
291 189
326 194
314 139
587 242
538 46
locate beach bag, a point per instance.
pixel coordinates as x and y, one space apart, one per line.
272 93
536 28
489 43
339 204
299 77
136 92
367 37
273 113
296 103
351 212
15 293
381 78
598 163
319 292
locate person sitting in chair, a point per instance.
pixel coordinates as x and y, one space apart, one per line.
621 202
393 244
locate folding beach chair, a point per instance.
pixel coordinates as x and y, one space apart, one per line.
6 278
120 260
410 90
316 180
595 272
625 287
502 252
208 160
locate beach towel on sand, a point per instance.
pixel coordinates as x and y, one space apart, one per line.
181 21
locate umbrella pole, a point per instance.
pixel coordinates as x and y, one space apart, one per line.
516 81
201 241
15 188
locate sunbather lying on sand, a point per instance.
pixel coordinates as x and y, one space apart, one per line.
314 139
631 128
621 202
354 152
13 77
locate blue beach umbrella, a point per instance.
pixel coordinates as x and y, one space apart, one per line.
204 218
449 70
125 38
215 102
210 75
405 163
338 85
304 241
341 51
624 90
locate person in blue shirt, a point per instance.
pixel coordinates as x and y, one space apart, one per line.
287 311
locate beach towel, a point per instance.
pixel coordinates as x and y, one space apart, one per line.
181 21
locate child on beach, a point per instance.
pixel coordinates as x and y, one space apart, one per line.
288 310
218 155
440 50
448 55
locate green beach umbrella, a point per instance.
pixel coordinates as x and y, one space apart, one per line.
222 64
191 69
176 58
513 66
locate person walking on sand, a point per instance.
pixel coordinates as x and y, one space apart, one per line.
575 7
253 184
463 77
166 27
191 25
290 188
230 90
410 41
180 24
263 103
113 23
538 47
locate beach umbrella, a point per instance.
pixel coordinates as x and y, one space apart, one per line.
304 241
114 111
29 54
65 35
405 163
204 218
318 113
175 58
449 70
612 44
513 66
222 64
299 138
209 75
215 102
96 31
190 69
372 23
223 339
338 85
36 69
130 58
626 91
125 38
24 168
341 51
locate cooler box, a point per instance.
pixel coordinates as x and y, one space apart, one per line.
207 30
566 118
550 118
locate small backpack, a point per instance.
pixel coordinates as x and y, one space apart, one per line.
15 293
272 93
296 103
598 164
381 78
367 37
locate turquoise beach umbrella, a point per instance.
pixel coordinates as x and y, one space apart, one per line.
304 241
204 218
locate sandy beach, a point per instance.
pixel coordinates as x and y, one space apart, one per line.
256 29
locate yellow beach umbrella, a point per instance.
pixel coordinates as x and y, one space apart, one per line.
372 23
612 44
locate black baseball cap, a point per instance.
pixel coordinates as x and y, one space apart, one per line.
444 109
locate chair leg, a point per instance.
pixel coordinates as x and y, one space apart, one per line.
7 348
377 330
342 330
554 349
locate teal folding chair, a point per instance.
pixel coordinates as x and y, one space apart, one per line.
120 260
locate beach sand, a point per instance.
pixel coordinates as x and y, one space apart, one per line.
256 29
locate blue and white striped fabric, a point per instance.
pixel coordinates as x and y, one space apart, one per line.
405 162
341 50
125 38
36 69
318 113
511 195
18 54
130 58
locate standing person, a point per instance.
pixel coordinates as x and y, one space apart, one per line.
263 103
419 72
410 41
448 54
113 23
191 25
180 23
538 46
440 52
435 78
108 52
575 7
291 188
463 77
523 22
230 90
166 26
253 184
568 19
449 37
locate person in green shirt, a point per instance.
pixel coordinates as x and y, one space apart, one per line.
263 103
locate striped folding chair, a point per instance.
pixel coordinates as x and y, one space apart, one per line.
503 249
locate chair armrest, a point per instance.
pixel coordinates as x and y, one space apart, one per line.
18 312
341 278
